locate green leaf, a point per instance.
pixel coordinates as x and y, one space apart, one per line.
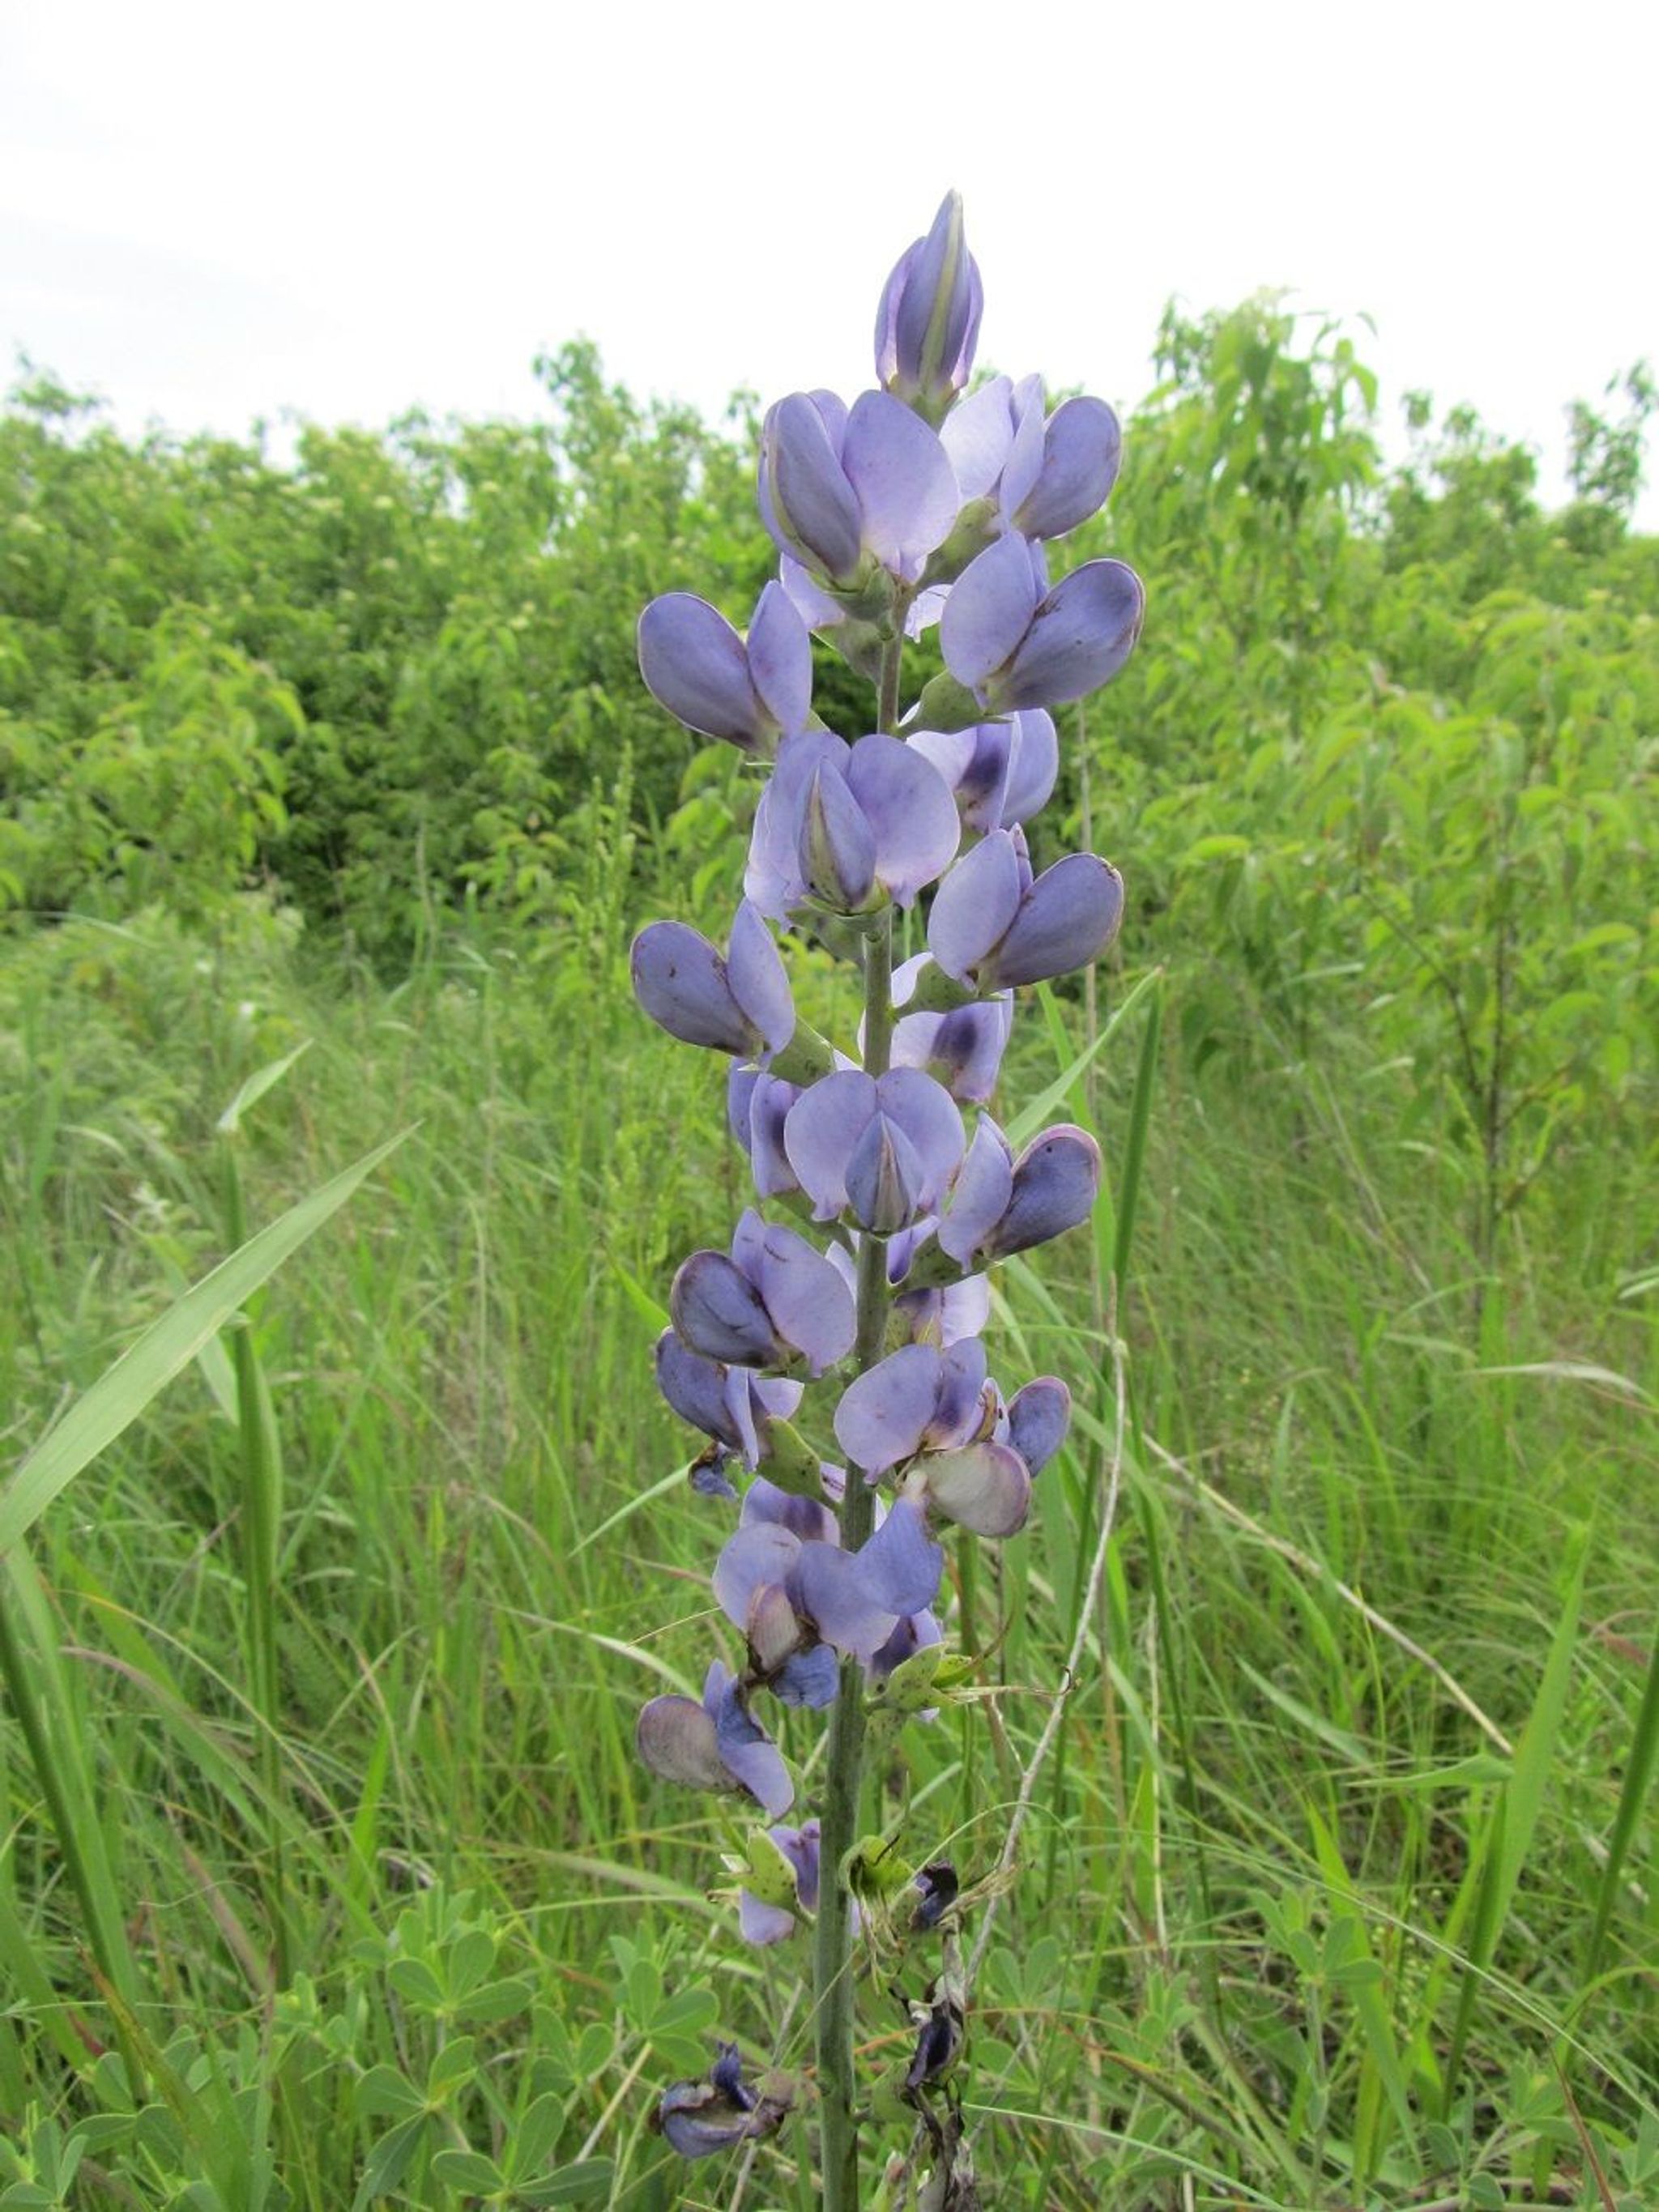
170 1342
254 1088
383 2091
467 2170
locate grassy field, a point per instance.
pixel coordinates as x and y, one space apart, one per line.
1336 1887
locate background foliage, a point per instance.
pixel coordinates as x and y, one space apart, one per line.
327 1876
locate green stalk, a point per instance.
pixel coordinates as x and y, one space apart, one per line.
834 1989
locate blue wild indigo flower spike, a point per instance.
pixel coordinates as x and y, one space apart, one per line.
927 323
751 693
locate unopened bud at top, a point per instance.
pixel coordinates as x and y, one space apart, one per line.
928 323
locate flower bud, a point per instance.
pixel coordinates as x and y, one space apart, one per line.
928 323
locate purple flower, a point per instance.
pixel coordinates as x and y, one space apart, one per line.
757 1107
1012 642
994 923
844 826
733 1405
1047 472
936 1412
785 1581
882 1147
1038 1418
1000 1206
695 664
853 494
701 2119
1000 772
764 1920
741 1004
774 1298
927 323
715 1745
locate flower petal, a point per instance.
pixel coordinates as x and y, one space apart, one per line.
1081 448
676 1739
1033 767
822 1129
780 659
809 506
681 981
696 1388
976 434
900 1566
809 1304
760 1556
989 611
1079 637
833 1592
980 1197
906 487
694 664
1055 1181
975 905
883 1413
911 813
718 1312
1038 1418
756 979
985 1488
1067 918
928 1114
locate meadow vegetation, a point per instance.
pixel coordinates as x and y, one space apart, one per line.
328 1876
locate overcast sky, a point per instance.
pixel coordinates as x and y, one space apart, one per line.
211 213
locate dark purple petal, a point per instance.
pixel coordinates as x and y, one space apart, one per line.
911 813
906 487
915 1633
990 609
981 1195
900 1566
676 1739
780 659
1081 448
1067 918
754 975
700 2119
681 981
1080 635
811 1678
770 1106
719 1313
975 905
748 1753
1038 1418
694 664
985 1488
811 1306
695 1388
810 507
1055 1181
883 1413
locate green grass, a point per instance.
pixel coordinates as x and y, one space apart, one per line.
1338 1889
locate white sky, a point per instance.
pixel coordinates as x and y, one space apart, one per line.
211 213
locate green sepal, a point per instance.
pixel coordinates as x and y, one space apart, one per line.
936 993
804 1058
910 1688
873 1870
766 1873
790 1461
944 704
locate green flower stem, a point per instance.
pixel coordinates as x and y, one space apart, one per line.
832 1982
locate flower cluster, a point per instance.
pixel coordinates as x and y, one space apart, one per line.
833 1361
